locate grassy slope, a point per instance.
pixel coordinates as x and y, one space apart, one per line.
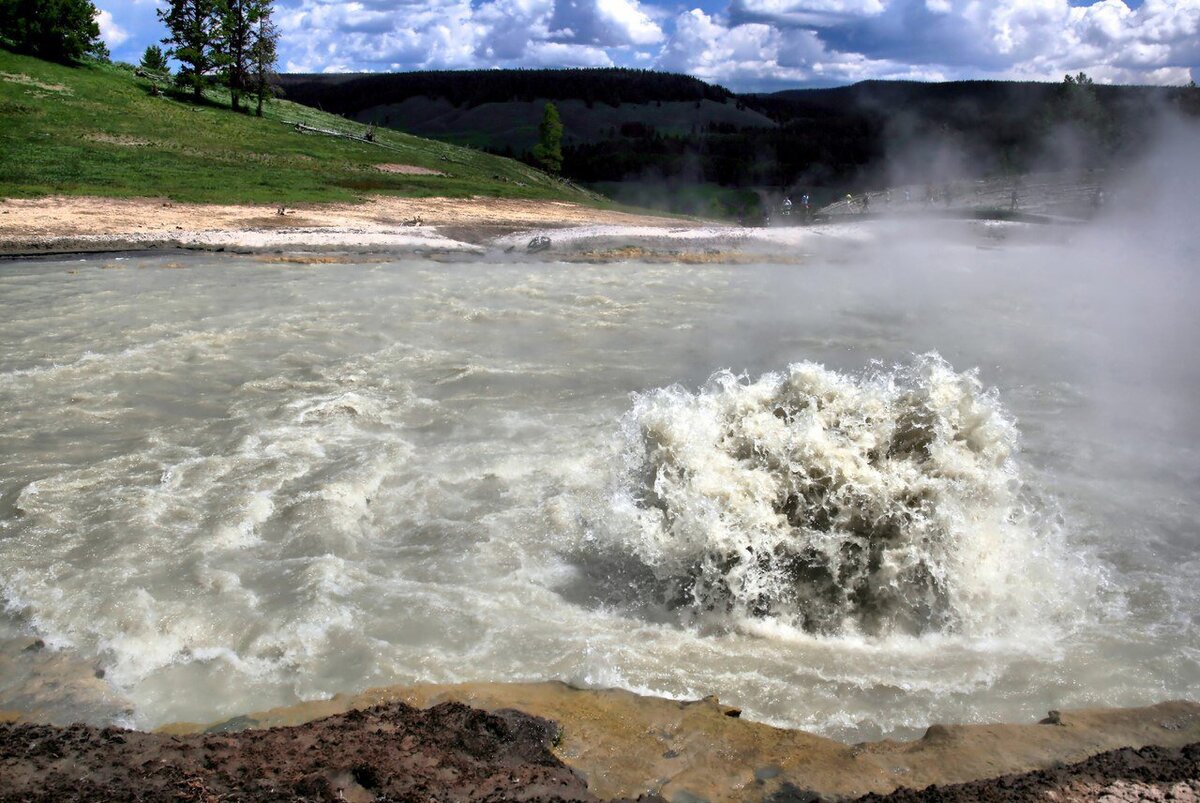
97 130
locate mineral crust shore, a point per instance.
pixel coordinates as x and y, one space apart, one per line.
550 741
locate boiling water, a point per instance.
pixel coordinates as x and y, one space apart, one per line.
928 481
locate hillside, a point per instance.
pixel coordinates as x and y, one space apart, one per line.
500 109
612 86
99 129
512 126
674 142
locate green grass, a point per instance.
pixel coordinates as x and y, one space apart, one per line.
96 129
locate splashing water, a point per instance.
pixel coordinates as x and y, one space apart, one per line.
887 502
396 472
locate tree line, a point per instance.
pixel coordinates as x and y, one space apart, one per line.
347 94
852 137
230 42
875 133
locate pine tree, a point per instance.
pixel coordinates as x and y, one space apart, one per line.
195 32
264 41
59 30
154 60
238 18
548 150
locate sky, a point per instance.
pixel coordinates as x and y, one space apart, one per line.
746 45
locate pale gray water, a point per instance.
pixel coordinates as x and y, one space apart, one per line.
238 484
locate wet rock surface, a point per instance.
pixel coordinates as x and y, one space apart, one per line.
388 752
55 686
1151 773
632 746
472 742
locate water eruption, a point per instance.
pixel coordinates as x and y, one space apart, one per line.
888 501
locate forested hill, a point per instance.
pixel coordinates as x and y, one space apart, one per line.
969 102
674 141
350 93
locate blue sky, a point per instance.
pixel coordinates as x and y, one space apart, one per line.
742 44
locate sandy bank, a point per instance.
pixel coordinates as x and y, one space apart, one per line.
454 226
64 224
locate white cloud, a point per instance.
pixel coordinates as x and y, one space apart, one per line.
551 54
607 23
758 55
1123 44
449 34
1026 26
811 12
745 44
635 27
112 33
1038 39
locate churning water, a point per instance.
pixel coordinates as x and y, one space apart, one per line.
886 486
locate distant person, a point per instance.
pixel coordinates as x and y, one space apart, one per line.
1012 206
866 203
787 206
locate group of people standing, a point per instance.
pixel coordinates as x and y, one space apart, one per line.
787 208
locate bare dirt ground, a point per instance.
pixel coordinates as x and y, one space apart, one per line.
77 224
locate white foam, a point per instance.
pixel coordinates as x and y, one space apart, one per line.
886 502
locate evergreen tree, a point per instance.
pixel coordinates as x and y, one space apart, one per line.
154 60
1080 102
1080 109
1189 99
264 41
99 51
58 30
238 18
195 32
548 150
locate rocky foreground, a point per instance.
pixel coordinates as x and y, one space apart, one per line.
549 741
1116 776
393 752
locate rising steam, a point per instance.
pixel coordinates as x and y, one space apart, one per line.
887 502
